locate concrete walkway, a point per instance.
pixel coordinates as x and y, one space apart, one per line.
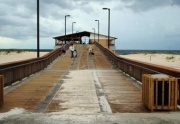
82 90
120 118
77 94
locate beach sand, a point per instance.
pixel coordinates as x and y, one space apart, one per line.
168 60
13 56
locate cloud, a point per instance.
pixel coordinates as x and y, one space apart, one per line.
176 35
17 7
18 20
16 26
146 5
8 42
55 9
176 2
63 4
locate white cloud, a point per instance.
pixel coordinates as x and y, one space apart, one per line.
8 42
12 43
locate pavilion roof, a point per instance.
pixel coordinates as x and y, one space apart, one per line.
75 36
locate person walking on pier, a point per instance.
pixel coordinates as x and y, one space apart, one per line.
63 48
90 49
72 50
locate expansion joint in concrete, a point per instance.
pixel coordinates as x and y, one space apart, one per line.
103 103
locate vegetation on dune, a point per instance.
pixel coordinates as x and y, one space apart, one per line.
170 57
126 52
8 51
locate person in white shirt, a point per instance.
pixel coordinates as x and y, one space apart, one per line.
72 50
90 49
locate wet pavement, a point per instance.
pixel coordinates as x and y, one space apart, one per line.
116 118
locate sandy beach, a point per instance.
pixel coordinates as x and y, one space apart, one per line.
168 60
14 56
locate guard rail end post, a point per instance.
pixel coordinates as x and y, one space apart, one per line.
179 91
1 90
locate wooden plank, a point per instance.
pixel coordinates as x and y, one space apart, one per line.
147 91
151 84
173 93
156 104
1 91
143 89
169 95
176 93
162 93
163 108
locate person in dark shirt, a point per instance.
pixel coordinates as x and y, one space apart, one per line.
63 48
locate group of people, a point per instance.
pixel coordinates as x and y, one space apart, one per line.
74 51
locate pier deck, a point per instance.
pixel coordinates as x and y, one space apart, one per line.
85 85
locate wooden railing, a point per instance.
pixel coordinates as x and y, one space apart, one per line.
136 69
16 71
1 91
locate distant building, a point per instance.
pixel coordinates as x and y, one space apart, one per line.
103 39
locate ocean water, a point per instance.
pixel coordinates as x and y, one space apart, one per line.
126 52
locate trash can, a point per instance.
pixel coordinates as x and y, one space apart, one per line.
1 90
159 91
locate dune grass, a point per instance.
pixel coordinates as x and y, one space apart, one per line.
8 51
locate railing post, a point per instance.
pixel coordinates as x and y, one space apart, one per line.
1 91
179 91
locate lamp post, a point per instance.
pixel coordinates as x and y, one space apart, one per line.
98 29
65 26
108 23
94 33
72 26
37 28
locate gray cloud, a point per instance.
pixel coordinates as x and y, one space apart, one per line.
177 35
176 2
63 4
145 5
57 9
17 18
18 6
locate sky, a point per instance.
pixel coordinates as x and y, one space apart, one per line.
138 24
